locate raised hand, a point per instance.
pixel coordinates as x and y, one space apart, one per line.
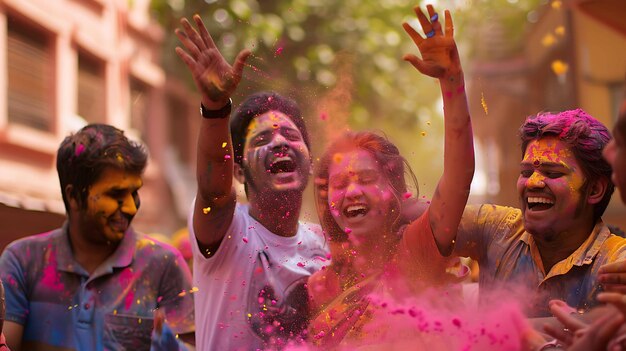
579 335
612 276
440 57
616 299
215 78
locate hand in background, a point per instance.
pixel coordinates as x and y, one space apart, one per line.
577 334
163 338
612 276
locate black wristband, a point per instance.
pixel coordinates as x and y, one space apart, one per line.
217 114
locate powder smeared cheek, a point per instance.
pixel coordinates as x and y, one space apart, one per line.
385 194
334 198
259 153
103 207
575 182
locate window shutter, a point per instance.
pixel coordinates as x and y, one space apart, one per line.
91 89
30 77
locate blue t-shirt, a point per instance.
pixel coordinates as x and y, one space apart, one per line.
61 305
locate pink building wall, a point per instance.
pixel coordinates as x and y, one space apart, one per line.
126 43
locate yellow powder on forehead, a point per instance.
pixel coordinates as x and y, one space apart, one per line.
547 150
273 116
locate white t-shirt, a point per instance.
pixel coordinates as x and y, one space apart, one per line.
251 292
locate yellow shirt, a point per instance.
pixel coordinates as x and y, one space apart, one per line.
509 260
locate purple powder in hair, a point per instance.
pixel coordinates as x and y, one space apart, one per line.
79 150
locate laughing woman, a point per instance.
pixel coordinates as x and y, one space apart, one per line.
360 187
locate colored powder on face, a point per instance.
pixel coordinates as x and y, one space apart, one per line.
323 116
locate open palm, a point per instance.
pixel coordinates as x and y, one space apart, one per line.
215 78
440 57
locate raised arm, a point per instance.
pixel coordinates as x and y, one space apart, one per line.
440 59
216 80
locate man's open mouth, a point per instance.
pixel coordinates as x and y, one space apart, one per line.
536 203
282 165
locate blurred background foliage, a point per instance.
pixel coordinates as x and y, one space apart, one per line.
342 60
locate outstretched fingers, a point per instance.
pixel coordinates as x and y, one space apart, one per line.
616 299
204 33
415 61
417 39
424 21
240 62
193 49
606 327
434 19
429 70
566 318
449 25
193 35
562 335
187 59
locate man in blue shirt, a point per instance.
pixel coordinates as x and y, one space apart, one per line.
94 283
